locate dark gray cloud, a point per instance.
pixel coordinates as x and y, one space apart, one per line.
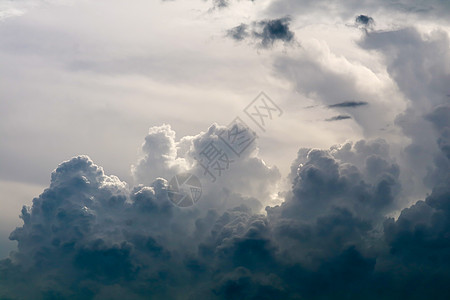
440 118
90 236
364 20
350 104
221 3
274 30
265 32
338 118
424 86
239 32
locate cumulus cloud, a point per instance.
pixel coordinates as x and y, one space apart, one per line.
425 86
341 232
422 86
109 236
89 235
246 174
159 156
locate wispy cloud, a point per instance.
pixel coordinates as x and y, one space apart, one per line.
350 104
338 118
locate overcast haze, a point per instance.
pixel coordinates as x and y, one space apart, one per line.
342 193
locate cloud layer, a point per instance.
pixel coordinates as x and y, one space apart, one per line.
90 236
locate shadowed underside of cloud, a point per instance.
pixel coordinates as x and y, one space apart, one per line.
265 32
90 236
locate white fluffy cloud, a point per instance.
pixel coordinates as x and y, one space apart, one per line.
246 174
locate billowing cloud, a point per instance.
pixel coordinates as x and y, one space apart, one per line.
89 235
425 87
368 219
159 156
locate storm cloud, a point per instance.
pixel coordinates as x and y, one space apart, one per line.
367 217
91 236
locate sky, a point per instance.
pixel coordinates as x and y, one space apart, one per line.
339 187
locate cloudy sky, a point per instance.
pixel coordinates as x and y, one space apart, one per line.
343 190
